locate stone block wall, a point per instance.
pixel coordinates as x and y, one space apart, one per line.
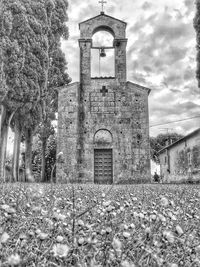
123 111
68 106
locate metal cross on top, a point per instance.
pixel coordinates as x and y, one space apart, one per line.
102 2
104 90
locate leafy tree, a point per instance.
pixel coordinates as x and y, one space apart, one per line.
50 156
26 69
196 24
57 75
159 142
32 65
11 63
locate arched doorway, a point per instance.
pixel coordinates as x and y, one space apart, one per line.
103 157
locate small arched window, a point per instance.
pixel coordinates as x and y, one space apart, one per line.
103 136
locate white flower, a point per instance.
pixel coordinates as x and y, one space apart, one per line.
4 238
8 209
179 230
60 250
43 236
59 216
162 218
81 240
59 239
117 245
106 203
169 236
126 234
14 260
164 201
80 223
125 263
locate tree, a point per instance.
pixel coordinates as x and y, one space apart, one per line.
57 75
25 56
160 141
11 58
50 156
196 24
31 32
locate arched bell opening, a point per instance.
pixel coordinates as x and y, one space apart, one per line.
102 54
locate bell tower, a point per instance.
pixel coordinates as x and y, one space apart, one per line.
118 30
103 122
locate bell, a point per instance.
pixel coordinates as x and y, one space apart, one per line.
102 53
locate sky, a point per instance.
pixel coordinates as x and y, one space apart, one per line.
161 55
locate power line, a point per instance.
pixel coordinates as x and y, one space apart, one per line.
174 121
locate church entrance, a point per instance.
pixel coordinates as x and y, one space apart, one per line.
103 166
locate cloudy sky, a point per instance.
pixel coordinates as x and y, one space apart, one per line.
160 55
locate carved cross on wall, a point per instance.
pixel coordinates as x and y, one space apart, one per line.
104 90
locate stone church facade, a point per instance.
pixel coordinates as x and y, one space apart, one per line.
103 122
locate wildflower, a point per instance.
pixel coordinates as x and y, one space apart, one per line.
197 249
108 230
132 225
4 238
126 234
14 260
125 263
81 240
106 203
125 226
110 208
8 209
60 250
179 230
58 216
153 217
59 238
148 231
162 218
169 236
164 201
117 245
43 236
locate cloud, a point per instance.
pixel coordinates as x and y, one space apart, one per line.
146 5
188 74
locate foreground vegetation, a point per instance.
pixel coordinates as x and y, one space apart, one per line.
90 225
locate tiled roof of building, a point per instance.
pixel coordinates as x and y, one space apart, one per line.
197 131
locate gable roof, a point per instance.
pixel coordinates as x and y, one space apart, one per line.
102 14
139 86
180 140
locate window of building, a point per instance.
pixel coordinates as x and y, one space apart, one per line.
189 157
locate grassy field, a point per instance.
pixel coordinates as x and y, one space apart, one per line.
90 225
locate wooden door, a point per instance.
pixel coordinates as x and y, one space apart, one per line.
103 166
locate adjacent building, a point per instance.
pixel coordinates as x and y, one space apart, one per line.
180 160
